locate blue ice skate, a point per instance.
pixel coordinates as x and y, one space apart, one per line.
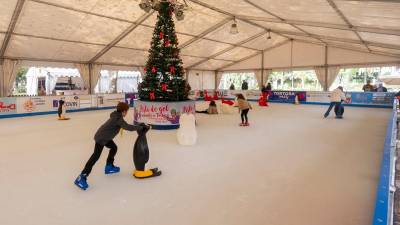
81 182
109 169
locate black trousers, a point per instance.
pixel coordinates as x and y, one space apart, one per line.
98 148
333 104
244 115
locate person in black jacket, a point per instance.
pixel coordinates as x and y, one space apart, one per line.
245 85
104 137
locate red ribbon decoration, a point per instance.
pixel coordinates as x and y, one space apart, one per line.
167 43
145 69
161 35
152 96
154 69
172 69
164 87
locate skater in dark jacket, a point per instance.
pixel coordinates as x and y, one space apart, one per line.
104 137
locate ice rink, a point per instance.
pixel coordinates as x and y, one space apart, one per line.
290 167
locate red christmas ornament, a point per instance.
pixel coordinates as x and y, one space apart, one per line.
167 43
164 87
152 96
161 35
145 69
153 69
172 69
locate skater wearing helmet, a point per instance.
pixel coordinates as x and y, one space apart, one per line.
104 137
244 107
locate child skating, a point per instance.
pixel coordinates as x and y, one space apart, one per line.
104 137
244 108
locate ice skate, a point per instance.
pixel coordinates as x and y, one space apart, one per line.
81 182
110 169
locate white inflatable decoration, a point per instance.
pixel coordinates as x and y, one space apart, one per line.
186 133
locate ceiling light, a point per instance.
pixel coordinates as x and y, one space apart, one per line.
179 12
145 5
156 4
234 28
269 35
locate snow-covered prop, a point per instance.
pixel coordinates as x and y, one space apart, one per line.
187 134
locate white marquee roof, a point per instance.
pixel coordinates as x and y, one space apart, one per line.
118 32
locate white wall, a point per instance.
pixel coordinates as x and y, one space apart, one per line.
200 80
343 56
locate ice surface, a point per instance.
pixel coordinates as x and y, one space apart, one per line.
289 167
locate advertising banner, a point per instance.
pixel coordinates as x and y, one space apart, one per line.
8 106
33 104
383 98
161 113
287 96
110 100
316 96
130 98
247 93
85 101
71 102
372 98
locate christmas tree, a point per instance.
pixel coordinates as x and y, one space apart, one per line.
164 79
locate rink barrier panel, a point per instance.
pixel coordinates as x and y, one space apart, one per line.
53 112
383 213
43 105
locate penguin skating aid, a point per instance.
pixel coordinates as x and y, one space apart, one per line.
141 155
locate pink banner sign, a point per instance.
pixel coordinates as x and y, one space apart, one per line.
161 113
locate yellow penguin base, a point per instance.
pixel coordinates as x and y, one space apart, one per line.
142 174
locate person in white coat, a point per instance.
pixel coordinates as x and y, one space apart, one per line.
337 96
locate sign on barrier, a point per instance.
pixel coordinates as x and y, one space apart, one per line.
371 98
33 104
318 97
288 96
130 99
85 101
161 113
8 106
109 100
71 102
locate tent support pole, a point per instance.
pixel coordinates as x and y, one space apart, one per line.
262 69
326 69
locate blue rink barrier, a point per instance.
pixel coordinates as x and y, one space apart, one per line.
52 112
383 214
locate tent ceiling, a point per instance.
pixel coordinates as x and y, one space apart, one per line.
277 26
212 64
1 37
236 54
262 42
7 9
117 33
59 49
387 50
245 31
380 14
329 32
307 10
